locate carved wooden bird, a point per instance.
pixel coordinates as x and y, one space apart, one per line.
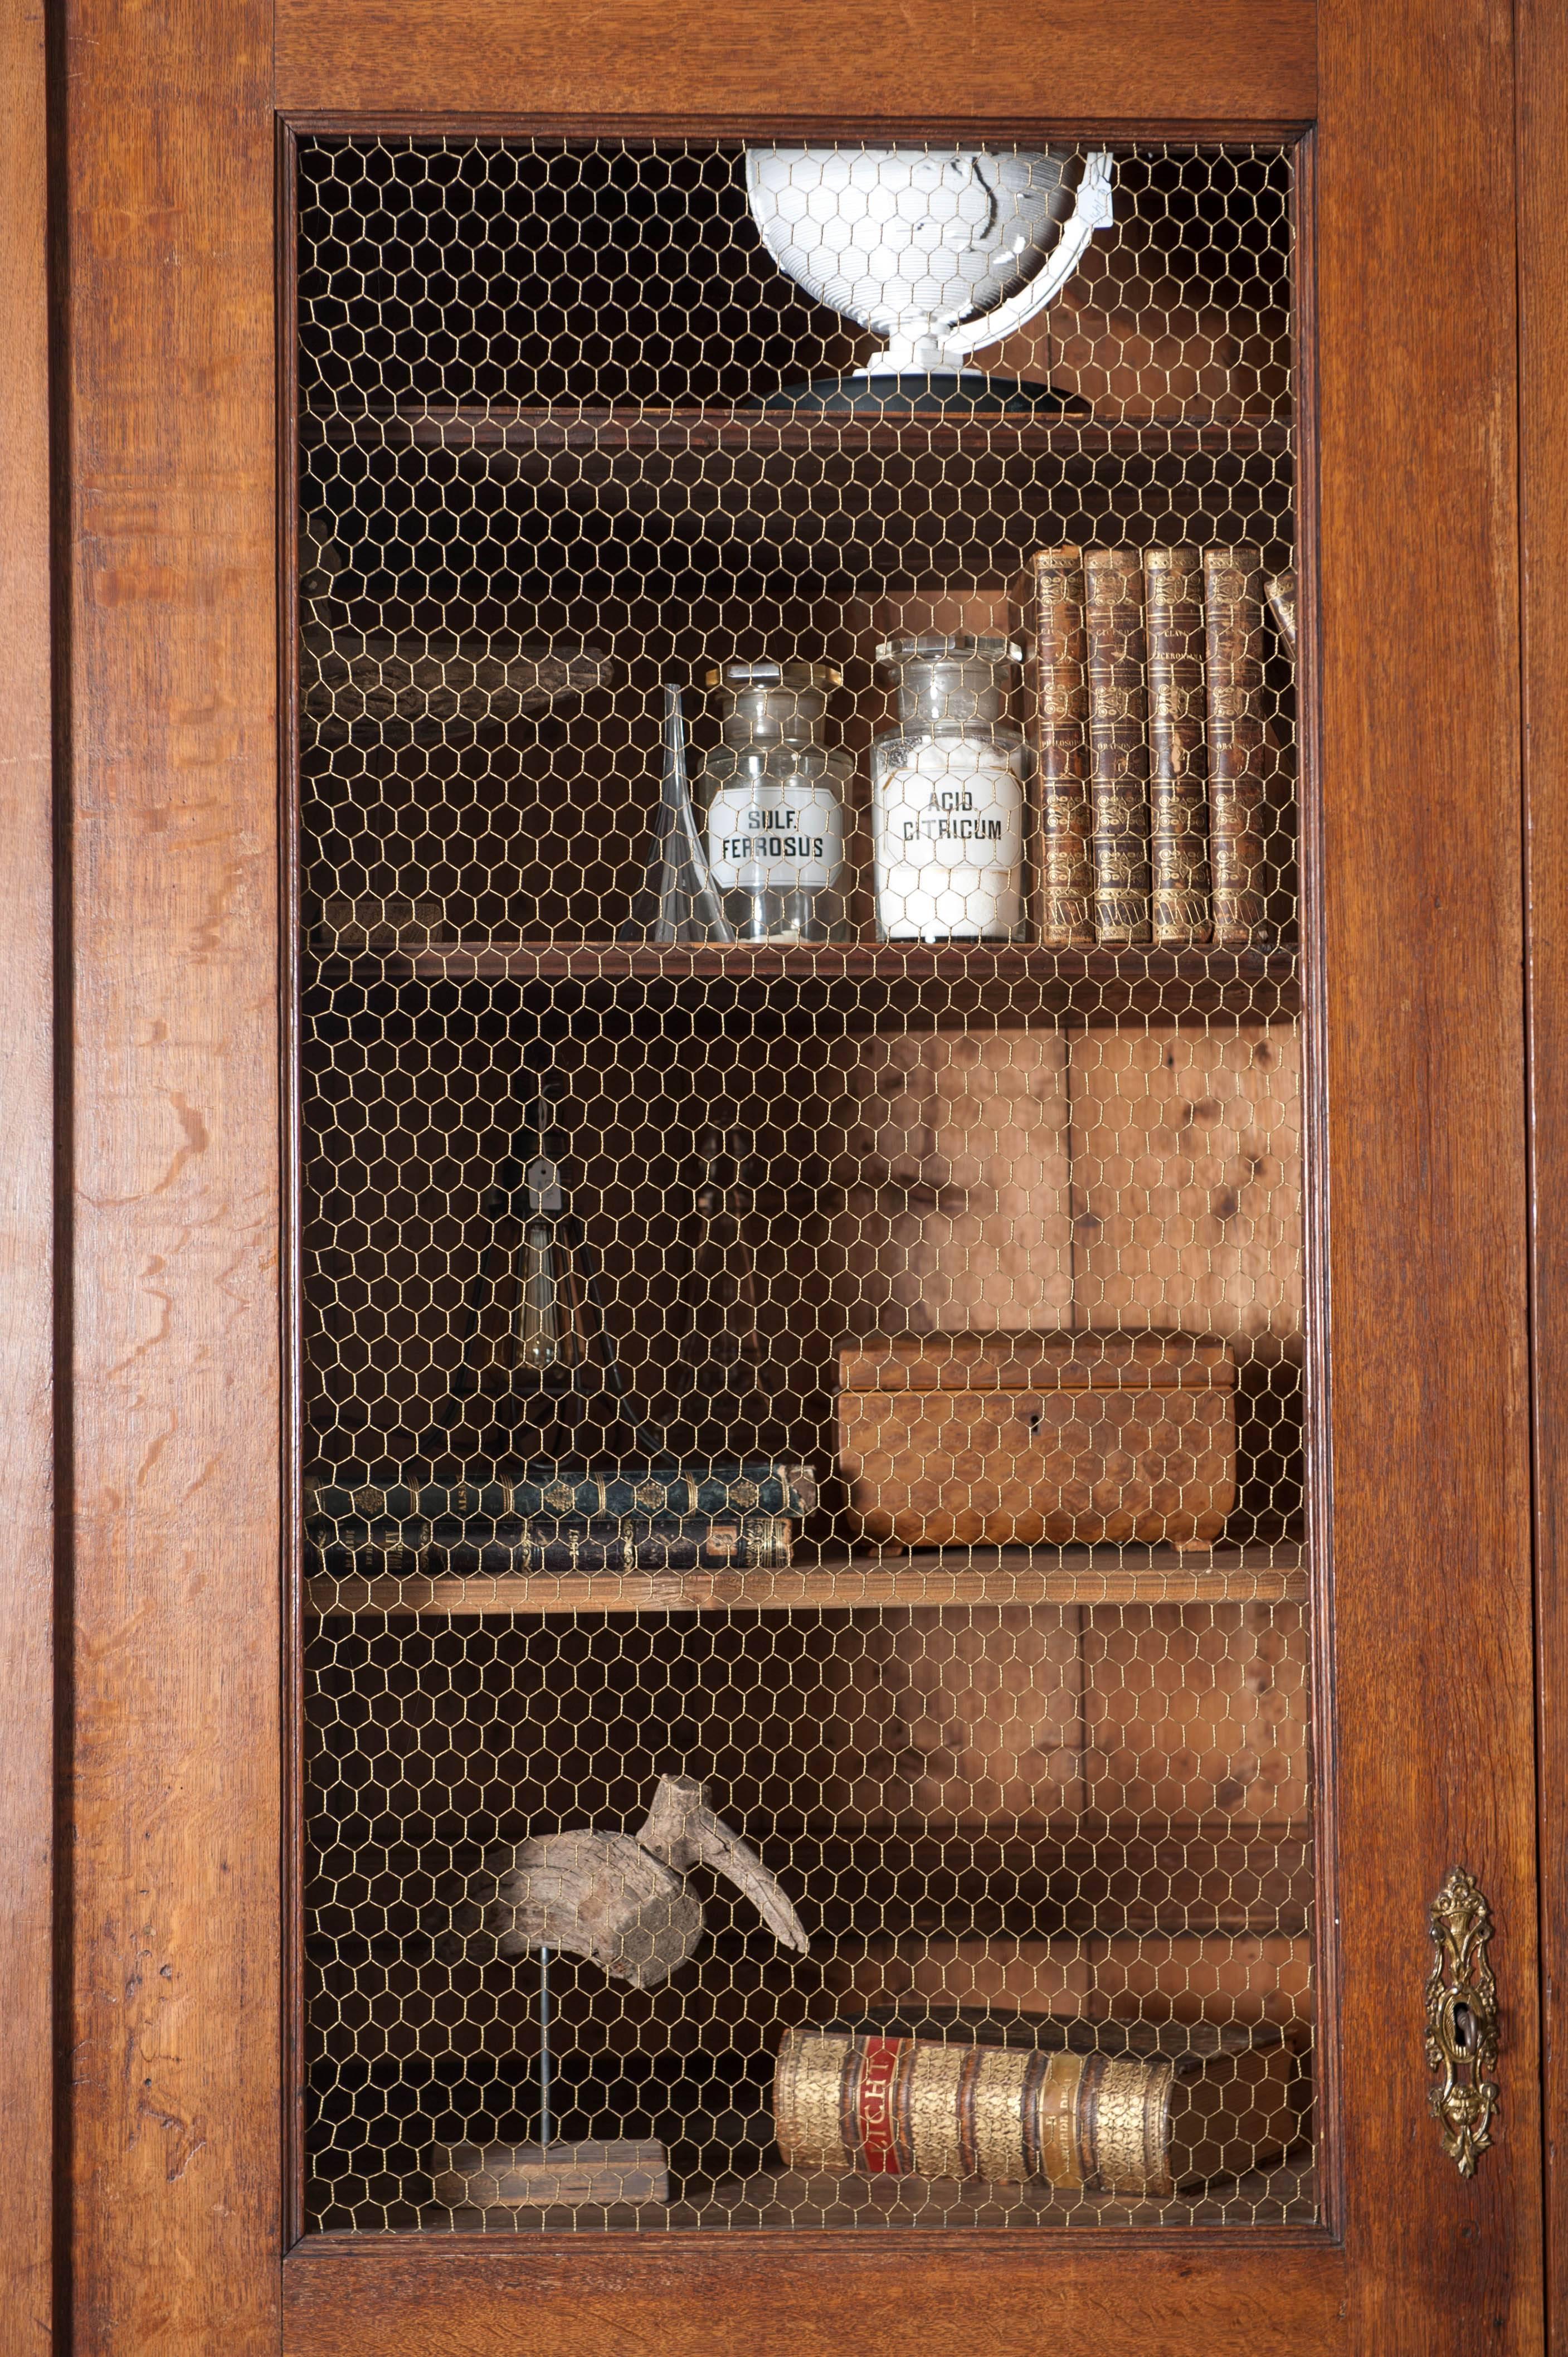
622 1899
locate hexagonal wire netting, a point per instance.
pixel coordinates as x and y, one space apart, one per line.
860 1374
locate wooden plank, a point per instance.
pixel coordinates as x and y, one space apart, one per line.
1417 749
1086 972
1076 1575
562 431
174 2027
1144 1975
958 1220
808 2200
1186 1178
1543 87
1075 63
26 1204
950 2293
1202 1711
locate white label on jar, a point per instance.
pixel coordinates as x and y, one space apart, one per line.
949 843
779 842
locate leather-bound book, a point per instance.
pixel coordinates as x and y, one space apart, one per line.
1233 607
634 1543
1063 866
1178 771
1118 745
1139 2124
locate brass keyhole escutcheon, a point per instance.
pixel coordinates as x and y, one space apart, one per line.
1462 2020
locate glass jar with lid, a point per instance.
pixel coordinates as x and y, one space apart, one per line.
947 785
772 798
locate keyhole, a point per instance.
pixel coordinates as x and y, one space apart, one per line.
1464 2029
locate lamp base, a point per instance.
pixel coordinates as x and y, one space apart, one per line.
540 2176
926 392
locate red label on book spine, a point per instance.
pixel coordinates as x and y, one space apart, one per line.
878 2069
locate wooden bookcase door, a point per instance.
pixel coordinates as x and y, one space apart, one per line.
181 1994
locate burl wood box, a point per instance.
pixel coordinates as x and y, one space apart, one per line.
1038 1439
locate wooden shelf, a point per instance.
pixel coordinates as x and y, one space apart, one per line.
1109 981
777 2198
548 434
1263 1575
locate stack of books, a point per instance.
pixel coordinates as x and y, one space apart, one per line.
729 1515
1151 744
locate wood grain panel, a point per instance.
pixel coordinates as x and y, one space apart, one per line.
1186 1178
1253 1574
1144 1975
27 1220
1419 761
409 2298
961 1220
174 2038
1200 1710
1542 83
1083 61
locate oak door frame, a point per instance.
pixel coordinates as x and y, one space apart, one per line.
28 1602
179 1648
1543 576
713 2267
171 2194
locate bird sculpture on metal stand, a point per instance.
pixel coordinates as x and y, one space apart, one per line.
622 1900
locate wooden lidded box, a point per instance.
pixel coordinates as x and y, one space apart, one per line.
1038 1439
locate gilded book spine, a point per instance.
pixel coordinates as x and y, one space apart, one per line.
1178 780
912 2107
505 1549
1118 737
1233 606
1064 867
718 1486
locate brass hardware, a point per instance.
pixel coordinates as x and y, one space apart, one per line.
1462 2020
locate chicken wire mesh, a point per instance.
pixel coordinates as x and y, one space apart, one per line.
807 1673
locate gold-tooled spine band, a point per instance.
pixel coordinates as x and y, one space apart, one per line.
968 2084
935 2079
809 2087
1056 2134
1001 2107
1131 2120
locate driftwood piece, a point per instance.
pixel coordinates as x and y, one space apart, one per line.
621 1899
683 1829
598 1896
